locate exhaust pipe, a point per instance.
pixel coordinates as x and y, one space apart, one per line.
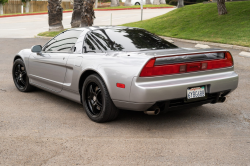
222 99
154 111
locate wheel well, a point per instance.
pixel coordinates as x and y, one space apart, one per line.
17 57
83 78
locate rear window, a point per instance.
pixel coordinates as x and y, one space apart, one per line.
129 40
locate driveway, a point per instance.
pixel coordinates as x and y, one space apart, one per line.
29 26
40 128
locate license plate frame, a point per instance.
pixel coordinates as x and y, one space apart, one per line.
200 93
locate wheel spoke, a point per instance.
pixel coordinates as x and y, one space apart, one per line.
22 81
23 72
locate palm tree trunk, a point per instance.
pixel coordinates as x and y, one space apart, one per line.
88 14
156 2
27 6
148 2
221 7
55 12
127 3
1 9
76 15
180 3
113 3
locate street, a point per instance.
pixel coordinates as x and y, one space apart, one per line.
40 128
30 26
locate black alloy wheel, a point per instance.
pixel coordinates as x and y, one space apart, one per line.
96 100
94 97
20 76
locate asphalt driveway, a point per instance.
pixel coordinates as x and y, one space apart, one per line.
40 128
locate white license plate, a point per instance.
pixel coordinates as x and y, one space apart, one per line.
196 92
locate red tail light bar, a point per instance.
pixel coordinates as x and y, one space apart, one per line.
150 69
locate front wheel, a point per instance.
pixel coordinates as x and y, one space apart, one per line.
20 77
137 3
96 100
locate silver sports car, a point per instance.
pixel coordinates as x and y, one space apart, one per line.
111 68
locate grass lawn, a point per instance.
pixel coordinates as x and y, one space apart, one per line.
202 22
50 34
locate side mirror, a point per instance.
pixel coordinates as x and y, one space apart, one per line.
36 49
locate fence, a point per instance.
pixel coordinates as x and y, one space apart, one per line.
35 6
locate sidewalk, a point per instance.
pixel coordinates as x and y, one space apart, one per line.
30 14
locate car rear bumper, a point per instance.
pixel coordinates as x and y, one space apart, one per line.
143 94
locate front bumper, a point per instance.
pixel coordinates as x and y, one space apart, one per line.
144 94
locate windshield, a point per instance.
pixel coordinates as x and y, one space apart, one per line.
128 40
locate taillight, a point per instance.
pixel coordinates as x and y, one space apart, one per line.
150 69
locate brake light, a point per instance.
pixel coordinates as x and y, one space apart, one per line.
150 69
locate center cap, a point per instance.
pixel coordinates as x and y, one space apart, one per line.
20 75
94 98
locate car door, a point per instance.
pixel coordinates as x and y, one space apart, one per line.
47 69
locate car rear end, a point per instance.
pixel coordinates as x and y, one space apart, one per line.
190 78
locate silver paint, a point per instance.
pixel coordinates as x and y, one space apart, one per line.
60 73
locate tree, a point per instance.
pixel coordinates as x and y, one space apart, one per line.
87 14
76 15
55 12
180 3
2 2
127 3
221 6
27 5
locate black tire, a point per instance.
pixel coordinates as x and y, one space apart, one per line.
96 100
137 3
20 77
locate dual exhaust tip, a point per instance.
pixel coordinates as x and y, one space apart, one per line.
156 110
153 111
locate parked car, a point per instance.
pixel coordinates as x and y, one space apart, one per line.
138 2
110 68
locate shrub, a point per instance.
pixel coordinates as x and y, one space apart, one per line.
3 1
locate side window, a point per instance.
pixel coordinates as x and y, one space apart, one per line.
63 42
91 44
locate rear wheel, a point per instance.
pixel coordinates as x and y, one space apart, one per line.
137 3
20 76
96 100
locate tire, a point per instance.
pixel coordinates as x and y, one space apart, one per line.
20 77
96 100
137 3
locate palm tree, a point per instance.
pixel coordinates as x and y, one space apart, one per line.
76 15
55 12
88 14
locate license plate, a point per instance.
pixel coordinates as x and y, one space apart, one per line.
196 92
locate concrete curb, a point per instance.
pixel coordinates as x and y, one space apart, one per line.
31 14
209 43
43 37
